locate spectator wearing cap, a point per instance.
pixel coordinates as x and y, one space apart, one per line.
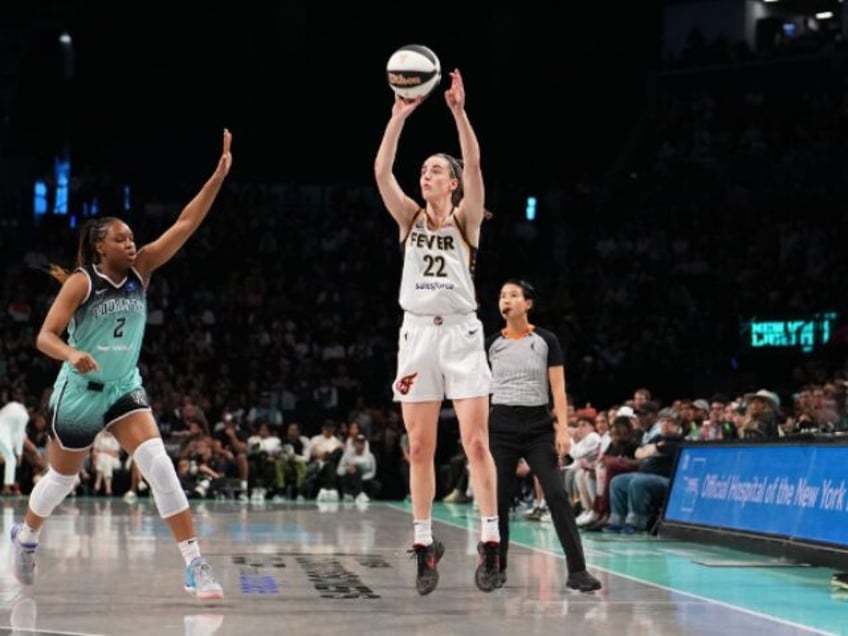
700 415
636 497
625 411
587 412
761 416
356 470
685 410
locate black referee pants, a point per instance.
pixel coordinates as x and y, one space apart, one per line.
528 432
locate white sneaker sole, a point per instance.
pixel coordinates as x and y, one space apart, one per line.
204 596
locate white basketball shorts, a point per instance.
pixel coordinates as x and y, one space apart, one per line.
441 357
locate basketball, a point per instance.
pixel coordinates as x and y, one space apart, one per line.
413 71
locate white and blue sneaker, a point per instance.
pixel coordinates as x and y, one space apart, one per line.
200 580
24 557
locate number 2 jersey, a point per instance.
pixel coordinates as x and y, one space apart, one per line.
109 325
438 269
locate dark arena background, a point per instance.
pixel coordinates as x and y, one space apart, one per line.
671 177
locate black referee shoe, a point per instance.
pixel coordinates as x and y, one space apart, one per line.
583 582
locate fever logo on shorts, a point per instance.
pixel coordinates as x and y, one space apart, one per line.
405 383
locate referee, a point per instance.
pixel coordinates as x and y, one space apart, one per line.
527 369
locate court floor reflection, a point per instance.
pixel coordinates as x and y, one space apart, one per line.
108 567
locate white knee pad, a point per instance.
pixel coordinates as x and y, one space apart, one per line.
158 470
50 491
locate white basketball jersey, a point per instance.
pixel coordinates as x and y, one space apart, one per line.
438 269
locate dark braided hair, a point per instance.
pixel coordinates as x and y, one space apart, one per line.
91 233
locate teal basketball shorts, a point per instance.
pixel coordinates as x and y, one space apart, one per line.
80 408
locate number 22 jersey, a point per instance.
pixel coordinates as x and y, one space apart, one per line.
438 269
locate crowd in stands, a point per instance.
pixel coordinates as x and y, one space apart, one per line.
271 337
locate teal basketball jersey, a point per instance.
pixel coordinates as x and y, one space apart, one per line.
109 325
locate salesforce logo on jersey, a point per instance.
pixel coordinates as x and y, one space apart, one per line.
791 491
